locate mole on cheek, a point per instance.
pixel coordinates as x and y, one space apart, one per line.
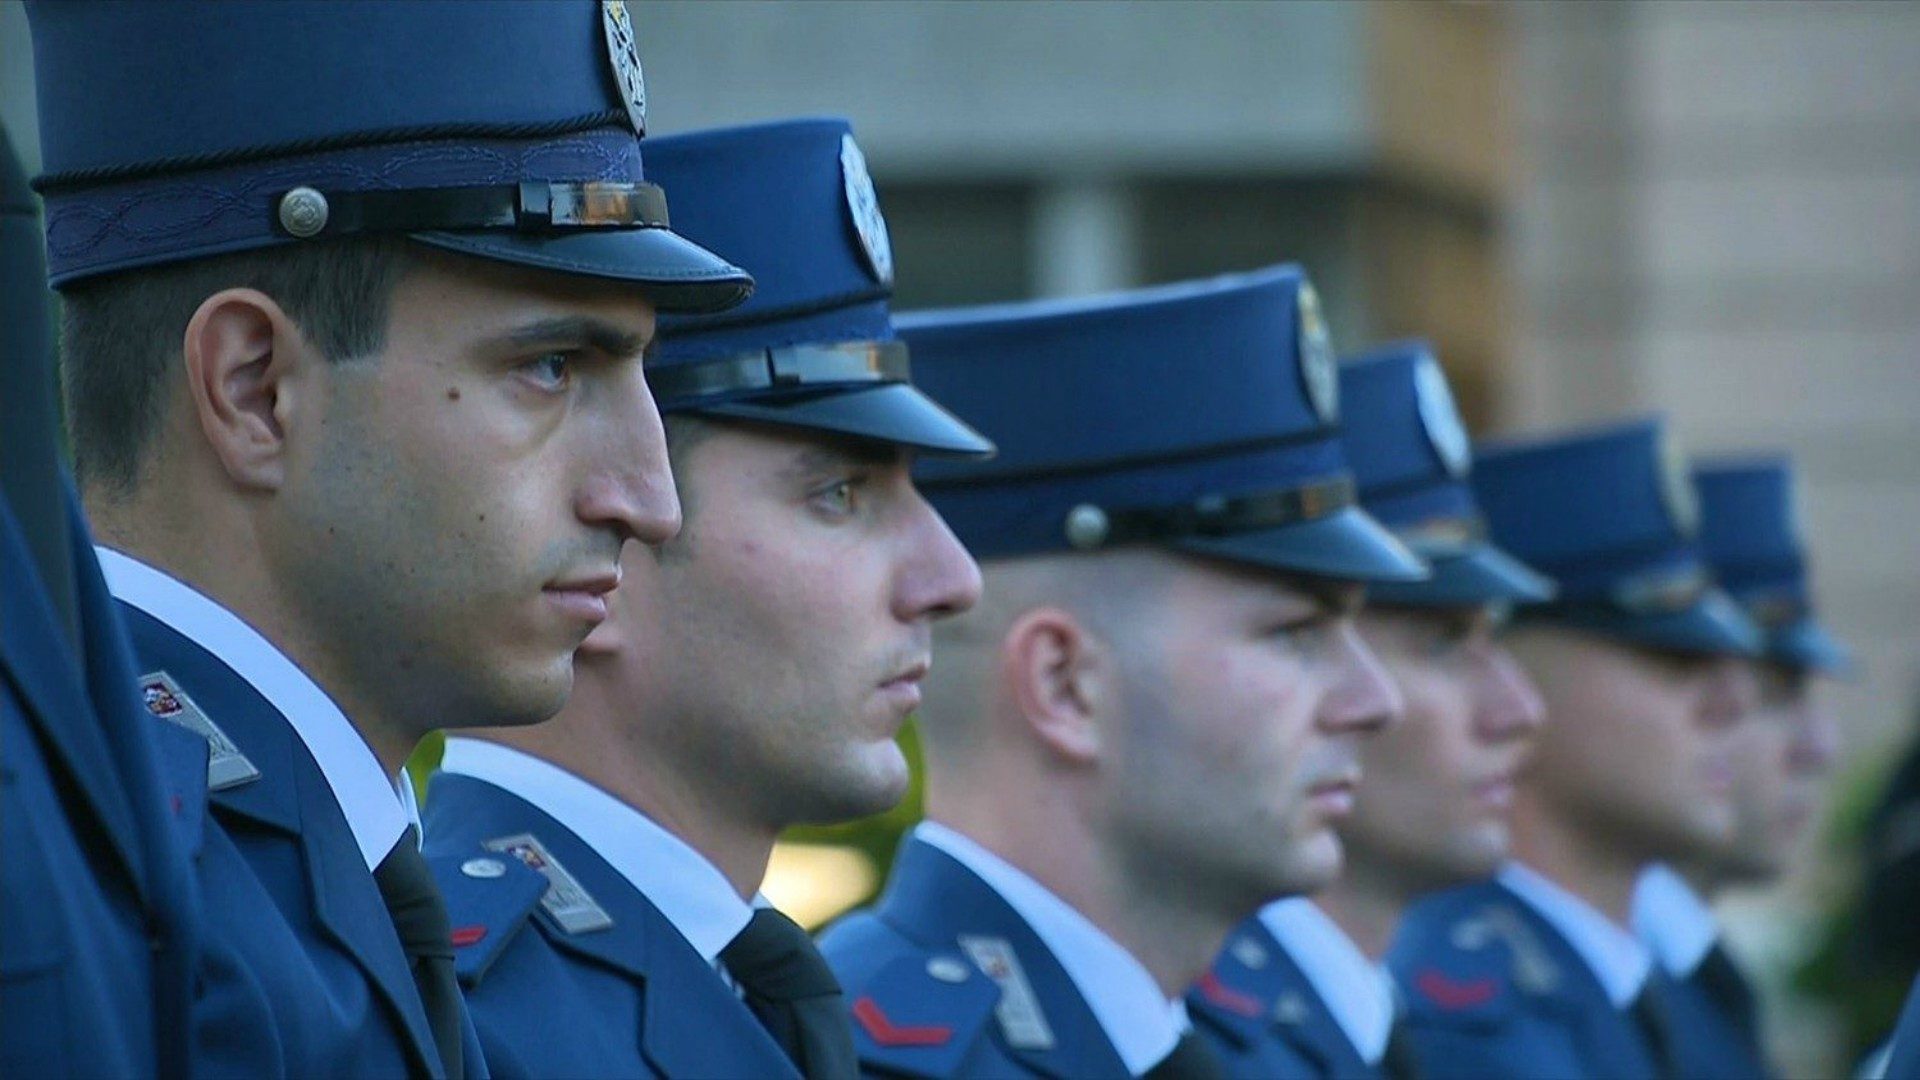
453 393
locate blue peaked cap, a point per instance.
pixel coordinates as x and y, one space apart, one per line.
1751 535
814 348
1411 459
506 131
1612 516
1201 416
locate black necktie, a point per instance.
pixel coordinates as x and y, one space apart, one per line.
1649 1015
1722 983
420 917
796 998
1190 1060
1399 1063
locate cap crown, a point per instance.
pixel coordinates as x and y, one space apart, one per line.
1404 439
1168 395
447 122
1601 511
1747 526
791 200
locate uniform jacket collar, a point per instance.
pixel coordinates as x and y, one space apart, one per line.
694 1024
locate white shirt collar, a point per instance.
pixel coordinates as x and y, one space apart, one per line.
1672 920
372 802
1615 956
688 889
1139 1020
1357 991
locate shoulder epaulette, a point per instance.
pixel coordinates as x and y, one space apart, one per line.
916 1012
490 898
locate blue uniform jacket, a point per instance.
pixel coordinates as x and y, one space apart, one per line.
633 999
1493 990
304 974
923 1006
1263 1018
99 920
1903 1056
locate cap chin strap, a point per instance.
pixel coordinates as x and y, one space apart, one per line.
532 206
1088 527
783 368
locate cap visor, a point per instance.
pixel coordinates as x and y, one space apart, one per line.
1465 575
1346 544
1714 625
677 274
1806 644
895 413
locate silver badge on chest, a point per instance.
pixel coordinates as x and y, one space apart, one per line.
864 205
1021 1019
625 56
566 901
226 765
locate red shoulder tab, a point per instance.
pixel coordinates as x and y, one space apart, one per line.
1453 993
1227 997
886 1033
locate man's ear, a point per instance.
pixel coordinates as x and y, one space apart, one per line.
1058 671
242 352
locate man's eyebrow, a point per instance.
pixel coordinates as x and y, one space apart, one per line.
826 457
599 334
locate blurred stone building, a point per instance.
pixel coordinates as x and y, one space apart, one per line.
1593 209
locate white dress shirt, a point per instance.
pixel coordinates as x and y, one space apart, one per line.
1357 991
687 888
1615 956
1672 920
375 805
1139 1020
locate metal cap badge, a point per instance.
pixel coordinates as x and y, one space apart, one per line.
624 54
864 205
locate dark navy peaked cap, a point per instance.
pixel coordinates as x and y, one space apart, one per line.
507 131
815 347
1751 534
1611 515
1411 459
1202 416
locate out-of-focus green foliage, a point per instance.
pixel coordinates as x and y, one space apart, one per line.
1866 997
878 836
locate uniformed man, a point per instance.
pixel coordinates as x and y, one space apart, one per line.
355 302
1781 755
1149 726
1302 989
1537 973
753 674
99 924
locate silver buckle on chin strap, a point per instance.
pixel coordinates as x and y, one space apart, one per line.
782 368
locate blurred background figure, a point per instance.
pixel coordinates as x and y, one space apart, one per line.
1781 753
1590 209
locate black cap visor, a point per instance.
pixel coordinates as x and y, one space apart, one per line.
892 412
678 275
1466 575
1712 624
1347 544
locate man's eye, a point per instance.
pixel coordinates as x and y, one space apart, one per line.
551 371
841 498
1304 633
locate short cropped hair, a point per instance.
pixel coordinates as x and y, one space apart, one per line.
121 334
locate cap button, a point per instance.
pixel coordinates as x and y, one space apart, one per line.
303 212
1086 526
